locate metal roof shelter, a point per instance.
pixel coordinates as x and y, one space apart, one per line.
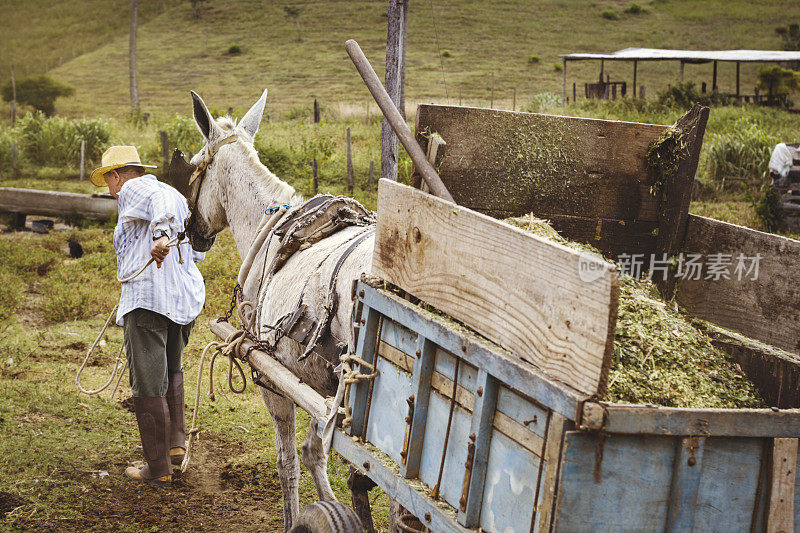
684 56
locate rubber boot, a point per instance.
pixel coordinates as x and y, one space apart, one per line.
177 440
152 416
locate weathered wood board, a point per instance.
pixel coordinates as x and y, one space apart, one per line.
658 483
53 203
508 164
548 304
766 308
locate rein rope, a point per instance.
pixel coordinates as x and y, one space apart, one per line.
174 242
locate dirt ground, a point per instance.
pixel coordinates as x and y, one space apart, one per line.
213 495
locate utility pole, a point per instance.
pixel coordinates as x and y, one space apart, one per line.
132 56
395 52
349 164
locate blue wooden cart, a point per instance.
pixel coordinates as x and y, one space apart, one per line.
527 454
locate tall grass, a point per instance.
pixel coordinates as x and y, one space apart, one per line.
56 141
739 156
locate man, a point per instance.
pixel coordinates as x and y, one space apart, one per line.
157 308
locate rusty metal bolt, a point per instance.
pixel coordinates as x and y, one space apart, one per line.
361 293
427 517
480 391
366 465
691 461
419 352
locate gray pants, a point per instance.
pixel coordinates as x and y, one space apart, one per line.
154 345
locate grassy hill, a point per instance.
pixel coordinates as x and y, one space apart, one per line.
488 44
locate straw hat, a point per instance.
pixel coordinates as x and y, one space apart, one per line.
116 157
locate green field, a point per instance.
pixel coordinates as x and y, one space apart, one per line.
489 44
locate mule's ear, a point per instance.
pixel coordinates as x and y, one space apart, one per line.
205 122
252 119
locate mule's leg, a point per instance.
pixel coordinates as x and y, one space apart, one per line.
282 412
316 461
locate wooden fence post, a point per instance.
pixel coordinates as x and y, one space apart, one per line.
83 157
394 79
316 111
13 98
491 98
314 178
349 164
514 101
370 178
14 167
164 151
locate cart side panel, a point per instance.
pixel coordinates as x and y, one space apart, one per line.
386 425
510 488
627 491
647 482
797 496
729 484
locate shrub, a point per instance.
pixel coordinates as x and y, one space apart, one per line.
278 160
183 135
532 60
56 141
778 81
6 155
234 49
558 67
740 154
543 102
684 95
446 53
39 92
635 9
769 211
11 289
609 14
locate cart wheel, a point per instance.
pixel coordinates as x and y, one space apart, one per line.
327 517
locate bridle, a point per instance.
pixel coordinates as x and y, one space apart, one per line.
188 178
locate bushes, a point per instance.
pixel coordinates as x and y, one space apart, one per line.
609 14
770 214
543 102
6 155
740 154
685 95
183 135
40 92
56 141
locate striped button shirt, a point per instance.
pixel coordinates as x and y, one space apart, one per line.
175 290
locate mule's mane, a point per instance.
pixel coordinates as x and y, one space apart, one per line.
273 185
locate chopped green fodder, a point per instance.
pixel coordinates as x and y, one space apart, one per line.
663 157
659 356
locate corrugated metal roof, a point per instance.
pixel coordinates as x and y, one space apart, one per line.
689 56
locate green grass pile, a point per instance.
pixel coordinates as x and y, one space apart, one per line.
659 356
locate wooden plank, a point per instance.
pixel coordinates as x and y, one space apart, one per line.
413 496
766 308
685 484
281 377
477 351
552 464
526 293
359 391
780 512
652 420
614 483
481 429
545 164
53 203
513 429
774 372
422 392
674 210
612 237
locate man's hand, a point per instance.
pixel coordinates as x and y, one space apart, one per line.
160 250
